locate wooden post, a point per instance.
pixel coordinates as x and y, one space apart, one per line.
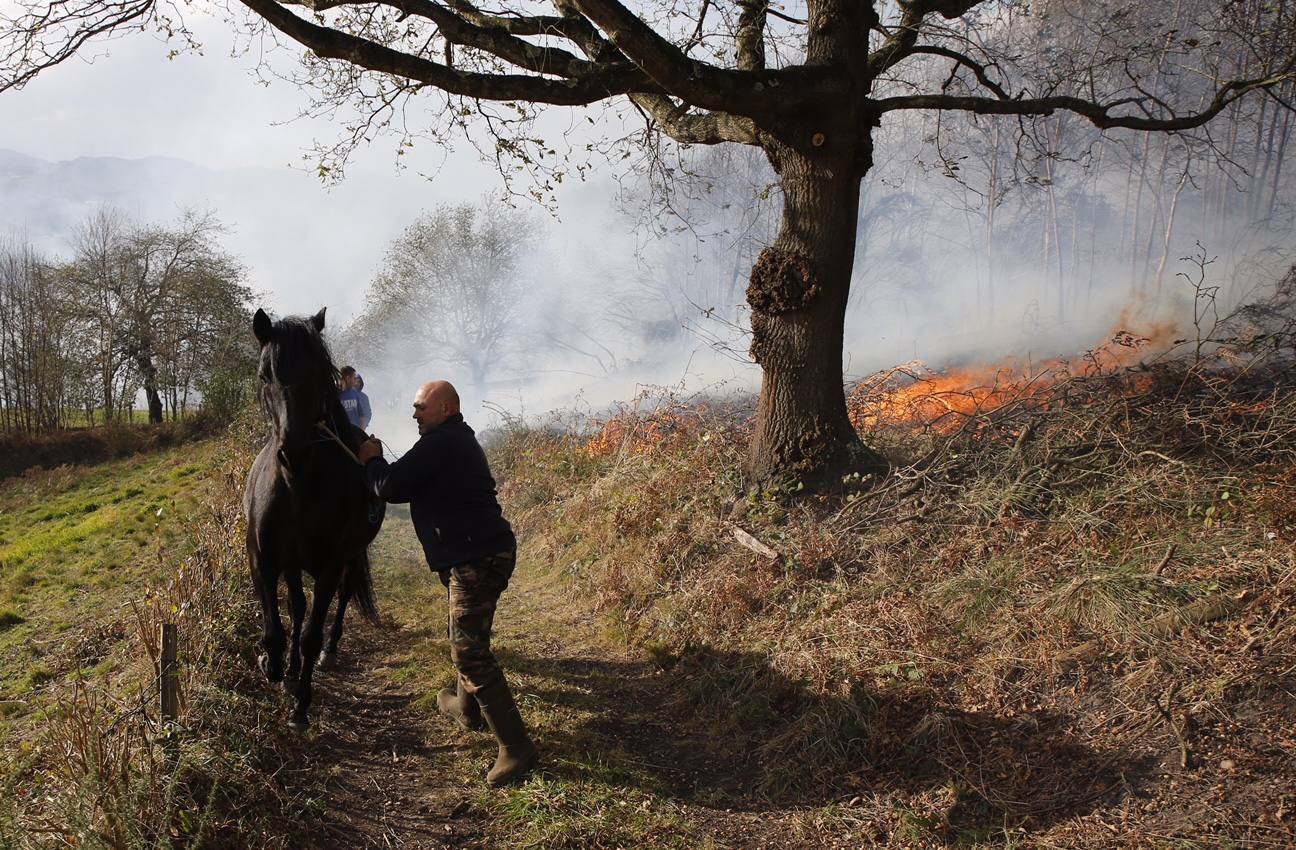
168 673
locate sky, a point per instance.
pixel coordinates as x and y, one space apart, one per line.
128 98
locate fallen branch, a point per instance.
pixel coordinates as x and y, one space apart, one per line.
747 541
1167 625
1165 559
1168 717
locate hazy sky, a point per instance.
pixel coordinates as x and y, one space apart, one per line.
306 245
127 99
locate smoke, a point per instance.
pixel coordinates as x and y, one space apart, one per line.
643 287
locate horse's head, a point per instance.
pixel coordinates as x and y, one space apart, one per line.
298 378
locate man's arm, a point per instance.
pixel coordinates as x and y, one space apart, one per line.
398 482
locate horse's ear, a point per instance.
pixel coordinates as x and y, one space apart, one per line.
318 320
262 327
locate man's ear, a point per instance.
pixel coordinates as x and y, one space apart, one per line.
318 320
262 327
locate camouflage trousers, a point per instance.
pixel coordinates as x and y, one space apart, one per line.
474 589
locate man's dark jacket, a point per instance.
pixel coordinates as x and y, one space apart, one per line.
451 494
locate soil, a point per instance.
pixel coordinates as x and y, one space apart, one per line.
383 788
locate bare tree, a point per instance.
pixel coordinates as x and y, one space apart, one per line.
449 290
38 342
160 302
809 89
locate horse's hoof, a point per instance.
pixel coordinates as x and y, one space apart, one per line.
298 725
272 672
327 661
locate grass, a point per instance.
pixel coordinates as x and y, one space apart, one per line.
588 794
902 647
95 560
78 543
1000 645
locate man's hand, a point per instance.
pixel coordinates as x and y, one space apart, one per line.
369 450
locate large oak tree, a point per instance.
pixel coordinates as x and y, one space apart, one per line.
807 86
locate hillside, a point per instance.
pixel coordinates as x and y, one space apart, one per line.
1063 620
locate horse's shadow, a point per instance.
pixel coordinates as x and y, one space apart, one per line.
726 729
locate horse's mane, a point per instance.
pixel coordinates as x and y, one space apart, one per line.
297 338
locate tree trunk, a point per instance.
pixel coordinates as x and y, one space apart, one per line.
149 373
800 284
797 295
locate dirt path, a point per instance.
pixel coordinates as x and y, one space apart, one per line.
384 787
617 772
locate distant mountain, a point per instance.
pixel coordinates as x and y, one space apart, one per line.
302 243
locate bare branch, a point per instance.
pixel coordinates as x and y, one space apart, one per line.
72 27
966 61
333 44
700 84
707 128
1097 114
482 34
900 42
750 37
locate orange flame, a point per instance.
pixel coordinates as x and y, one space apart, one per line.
640 433
912 394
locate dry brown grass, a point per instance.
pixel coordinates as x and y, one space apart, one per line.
1064 620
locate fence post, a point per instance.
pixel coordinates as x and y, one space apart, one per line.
168 673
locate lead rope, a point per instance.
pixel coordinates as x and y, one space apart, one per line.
328 432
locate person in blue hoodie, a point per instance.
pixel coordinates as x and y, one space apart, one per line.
447 482
354 402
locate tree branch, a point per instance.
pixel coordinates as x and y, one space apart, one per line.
901 40
606 81
750 37
708 128
700 84
1097 113
483 34
966 61
30 55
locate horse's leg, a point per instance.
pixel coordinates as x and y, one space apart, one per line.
266 581
329 658
312 640
297 607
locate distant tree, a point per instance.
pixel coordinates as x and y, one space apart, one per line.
164 306
449 291
809 88
38 342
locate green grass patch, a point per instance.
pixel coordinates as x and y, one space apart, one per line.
77 543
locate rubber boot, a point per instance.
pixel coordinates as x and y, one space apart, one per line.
517 755
462 707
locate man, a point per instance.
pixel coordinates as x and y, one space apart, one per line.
354 402
466 540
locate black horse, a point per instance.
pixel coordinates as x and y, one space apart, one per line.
306 503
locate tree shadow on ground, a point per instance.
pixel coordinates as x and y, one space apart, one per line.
725 729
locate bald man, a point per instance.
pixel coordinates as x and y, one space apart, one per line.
468 543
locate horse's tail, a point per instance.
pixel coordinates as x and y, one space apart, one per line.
359 582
